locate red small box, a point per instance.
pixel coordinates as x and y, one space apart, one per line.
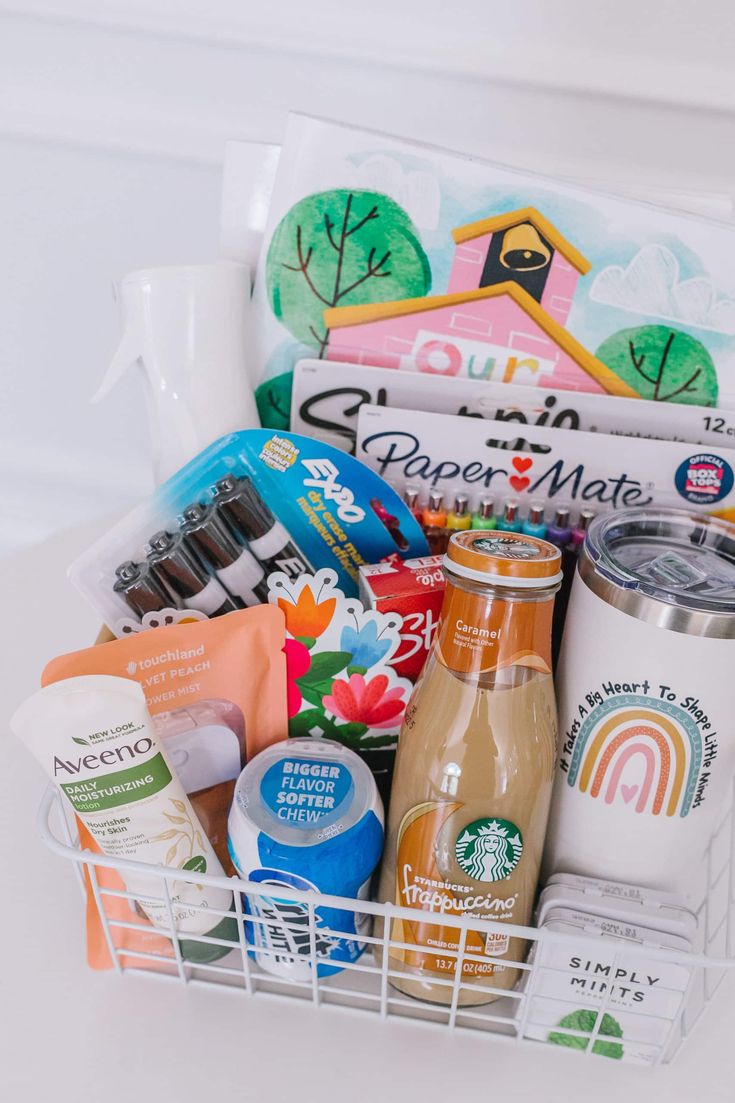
415 589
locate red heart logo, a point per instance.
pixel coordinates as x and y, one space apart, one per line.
521 463
519 483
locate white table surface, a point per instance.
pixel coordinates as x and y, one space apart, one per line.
67 1033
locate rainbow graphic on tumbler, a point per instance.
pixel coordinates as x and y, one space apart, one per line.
638 752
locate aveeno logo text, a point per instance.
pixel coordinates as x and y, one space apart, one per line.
110 757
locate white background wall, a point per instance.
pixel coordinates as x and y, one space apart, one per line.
113 118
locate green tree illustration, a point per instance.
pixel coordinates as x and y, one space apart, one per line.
662 364
341 248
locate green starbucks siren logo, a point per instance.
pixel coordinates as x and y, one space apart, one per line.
489 850
507 546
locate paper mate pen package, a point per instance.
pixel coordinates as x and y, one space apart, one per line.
252 504
549 466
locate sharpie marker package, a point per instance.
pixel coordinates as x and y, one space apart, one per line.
211 720
253 504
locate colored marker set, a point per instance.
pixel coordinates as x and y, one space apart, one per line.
439 522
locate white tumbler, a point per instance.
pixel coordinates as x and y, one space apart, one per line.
186 327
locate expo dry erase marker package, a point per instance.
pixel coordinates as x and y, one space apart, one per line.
251 504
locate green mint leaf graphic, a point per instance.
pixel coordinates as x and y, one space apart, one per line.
197 864
80 741
584 1020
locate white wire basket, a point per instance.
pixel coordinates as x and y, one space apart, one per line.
531 1012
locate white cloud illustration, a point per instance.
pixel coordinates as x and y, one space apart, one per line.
416 191
650 285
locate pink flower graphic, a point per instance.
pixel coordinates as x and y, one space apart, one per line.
361 702
298 661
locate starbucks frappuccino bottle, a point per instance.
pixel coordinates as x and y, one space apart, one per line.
474 770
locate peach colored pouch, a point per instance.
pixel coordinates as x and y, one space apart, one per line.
217 692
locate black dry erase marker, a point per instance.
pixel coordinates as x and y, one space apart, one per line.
243 509
140 590
180 571
238 571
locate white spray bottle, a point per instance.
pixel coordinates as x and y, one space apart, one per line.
187 328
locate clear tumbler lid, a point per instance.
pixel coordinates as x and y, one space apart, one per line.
671 556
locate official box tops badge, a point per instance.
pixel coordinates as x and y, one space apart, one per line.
704 478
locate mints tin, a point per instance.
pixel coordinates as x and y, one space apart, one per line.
645 702
306 815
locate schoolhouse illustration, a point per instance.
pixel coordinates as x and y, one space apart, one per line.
503 317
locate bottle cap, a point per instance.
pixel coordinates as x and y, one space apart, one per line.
487 507
585 516
536 513
161 542
504 559
127 570
460 504
436 500
561 517
510 510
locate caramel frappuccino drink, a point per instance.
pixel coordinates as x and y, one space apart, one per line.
474 771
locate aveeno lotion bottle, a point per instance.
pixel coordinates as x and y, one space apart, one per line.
94 737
